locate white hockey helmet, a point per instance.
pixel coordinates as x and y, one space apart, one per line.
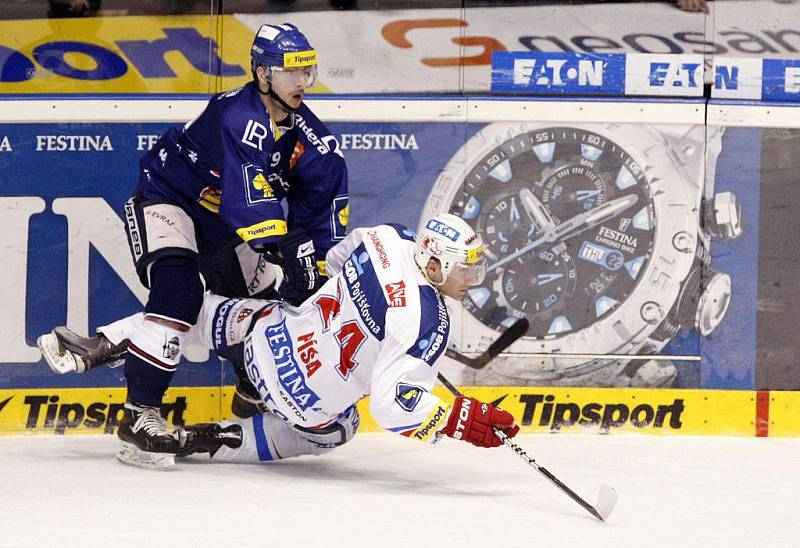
455 244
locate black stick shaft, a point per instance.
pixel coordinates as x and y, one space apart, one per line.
529 460
506 339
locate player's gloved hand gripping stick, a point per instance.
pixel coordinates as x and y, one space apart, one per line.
476 422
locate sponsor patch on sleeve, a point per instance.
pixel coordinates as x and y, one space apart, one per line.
265 229
434 422
340 217
434 327
407 396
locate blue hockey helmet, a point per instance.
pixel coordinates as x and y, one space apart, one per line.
282 47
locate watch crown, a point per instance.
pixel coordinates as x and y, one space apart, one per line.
714 301
723 216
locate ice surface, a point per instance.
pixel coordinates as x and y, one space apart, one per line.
385 490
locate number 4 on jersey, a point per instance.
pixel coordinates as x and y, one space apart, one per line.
350 336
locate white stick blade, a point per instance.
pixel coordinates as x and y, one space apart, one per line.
606 501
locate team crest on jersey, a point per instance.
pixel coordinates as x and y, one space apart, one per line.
258 187
340 217
244 313
396 294
172 348
407 396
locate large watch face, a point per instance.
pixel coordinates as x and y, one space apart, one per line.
567 220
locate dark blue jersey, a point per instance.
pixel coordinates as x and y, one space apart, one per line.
234 163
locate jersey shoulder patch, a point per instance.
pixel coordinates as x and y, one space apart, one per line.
434 326
403 231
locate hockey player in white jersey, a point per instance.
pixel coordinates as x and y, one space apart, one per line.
377 327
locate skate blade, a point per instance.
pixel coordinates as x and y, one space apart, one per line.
132 455
60 360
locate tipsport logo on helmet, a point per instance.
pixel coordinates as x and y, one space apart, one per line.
445 230
282 46
300 59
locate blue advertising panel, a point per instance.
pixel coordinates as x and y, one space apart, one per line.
641 268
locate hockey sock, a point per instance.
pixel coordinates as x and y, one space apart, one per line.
154 351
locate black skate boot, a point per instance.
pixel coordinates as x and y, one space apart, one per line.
208 438
66 351
246 400
146 442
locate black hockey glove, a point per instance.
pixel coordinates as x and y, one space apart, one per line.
301 278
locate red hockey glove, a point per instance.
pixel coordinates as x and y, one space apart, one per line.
472 421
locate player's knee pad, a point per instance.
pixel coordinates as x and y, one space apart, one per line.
336 434
158 345
176 291
157 230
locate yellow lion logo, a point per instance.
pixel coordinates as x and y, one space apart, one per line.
260 183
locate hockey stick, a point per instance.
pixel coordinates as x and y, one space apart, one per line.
506 339
605 500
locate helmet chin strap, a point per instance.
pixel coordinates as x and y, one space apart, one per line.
273 95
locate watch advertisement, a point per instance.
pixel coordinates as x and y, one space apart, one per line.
642 255
612 240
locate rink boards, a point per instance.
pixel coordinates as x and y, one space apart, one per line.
66 255
536 410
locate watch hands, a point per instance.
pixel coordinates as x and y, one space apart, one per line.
592 218
535 209
571 227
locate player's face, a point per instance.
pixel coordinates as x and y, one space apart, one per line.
290 83
463 276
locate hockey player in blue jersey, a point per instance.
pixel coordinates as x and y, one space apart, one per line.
378 326
209 201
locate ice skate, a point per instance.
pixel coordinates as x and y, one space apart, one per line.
246 400
146 442
65 351
208 438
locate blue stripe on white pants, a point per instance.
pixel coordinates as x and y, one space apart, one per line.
262 445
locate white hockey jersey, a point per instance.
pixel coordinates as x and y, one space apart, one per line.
376 327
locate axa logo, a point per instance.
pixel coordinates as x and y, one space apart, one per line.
396 293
